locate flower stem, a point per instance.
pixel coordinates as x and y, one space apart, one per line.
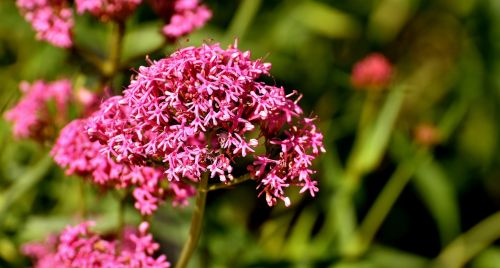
121 213
383 204
122 200
113 63
196 223
233 182
83 205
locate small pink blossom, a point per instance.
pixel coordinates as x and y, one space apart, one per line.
107 9
79 247
373 72
201 110
51 19
31 115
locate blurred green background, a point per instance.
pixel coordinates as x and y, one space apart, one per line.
384 200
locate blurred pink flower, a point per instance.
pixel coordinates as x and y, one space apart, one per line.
31 114
374 72
182 16
107 9
51 19
201 110
79 247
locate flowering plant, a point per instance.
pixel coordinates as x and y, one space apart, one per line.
198 120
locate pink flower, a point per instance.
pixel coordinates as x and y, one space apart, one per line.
79 247
373 72
202 110
107 9
77 154
182 16
51 19
31 116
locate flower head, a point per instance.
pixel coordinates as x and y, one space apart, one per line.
107 9
31 116
203 109
79 247
373 72
51 19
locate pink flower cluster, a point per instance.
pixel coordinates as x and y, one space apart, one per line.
79 247
107 9
78 155
32 114
188 15
373 72
203 109
51 19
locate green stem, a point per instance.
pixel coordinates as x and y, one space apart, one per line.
121 213
369 111
113 63
383 204
122 198
196 223
83 204
231 183
89 56
369 148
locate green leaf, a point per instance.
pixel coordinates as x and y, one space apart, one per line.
38 227
469 244
142 40
488 258
371 146
326 20
242 19
392 258
23 184
439 195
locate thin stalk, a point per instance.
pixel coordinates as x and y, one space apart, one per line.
383 204
369 111
121 214
113 62
89 56
196 223
224 185
83 204
369 148
122 198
